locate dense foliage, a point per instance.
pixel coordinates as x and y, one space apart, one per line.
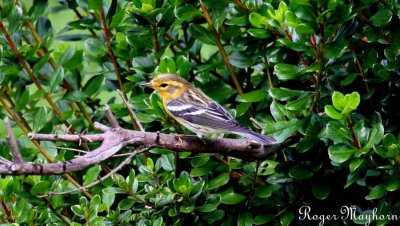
328 70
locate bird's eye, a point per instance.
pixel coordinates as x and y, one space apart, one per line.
163 85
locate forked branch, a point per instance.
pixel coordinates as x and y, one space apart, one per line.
114 138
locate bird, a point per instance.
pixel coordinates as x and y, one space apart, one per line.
196 111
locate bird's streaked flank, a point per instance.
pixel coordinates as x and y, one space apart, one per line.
198 112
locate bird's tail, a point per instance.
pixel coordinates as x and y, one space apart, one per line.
262 139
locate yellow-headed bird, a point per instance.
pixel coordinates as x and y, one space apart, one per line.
198 112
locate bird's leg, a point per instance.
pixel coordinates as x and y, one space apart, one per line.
201 137
179 137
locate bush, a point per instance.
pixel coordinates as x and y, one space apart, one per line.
327 70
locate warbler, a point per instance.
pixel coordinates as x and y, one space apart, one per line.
196 111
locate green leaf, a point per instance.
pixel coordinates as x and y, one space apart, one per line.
211 204
336 49
345 103
389 141
338 100
286 218
264 191
284 94
340 153
77 210
56 79
201 34
302 103
187 12
183 66
186 208
304 29
40 119
41 187
125 204
253 96
392 184
95 5
95 47
240 59
320 192
167 65
75 96
333 113
43 60
382 17
355 164
201 160
262 219
92 174
375 136
258 21
232 198
93 86
376 192
259 33
338 132
307 143
353 100
287 71
300 173
22 101
218 181
278 111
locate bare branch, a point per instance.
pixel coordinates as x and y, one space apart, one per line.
110 117
16 155
115 138
67 137
132 114
85 188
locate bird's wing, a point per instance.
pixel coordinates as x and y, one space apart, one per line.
212 115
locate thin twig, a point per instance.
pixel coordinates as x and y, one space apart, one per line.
16 155
299 54
195 58
38 146
4 161
156 43
241 5
7 211
111 52
134 118
70 149
269 76
221 48
29 71
353 135
110 117
59 215
359 67
79 15
113 171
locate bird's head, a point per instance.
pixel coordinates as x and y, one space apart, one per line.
169 86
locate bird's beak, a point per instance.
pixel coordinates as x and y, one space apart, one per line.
146 84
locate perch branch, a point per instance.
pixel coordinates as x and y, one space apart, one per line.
115 138
96 182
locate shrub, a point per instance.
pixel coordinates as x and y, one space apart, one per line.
327 70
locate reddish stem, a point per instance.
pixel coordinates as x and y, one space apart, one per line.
299 54
314 46
353 135
7 211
